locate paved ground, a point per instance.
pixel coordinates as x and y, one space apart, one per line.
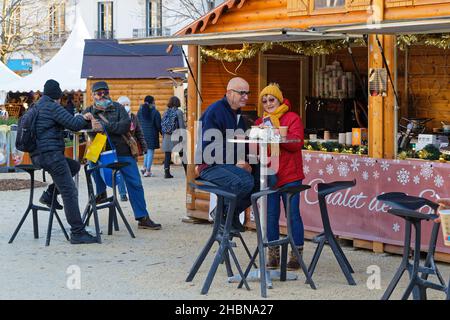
155 264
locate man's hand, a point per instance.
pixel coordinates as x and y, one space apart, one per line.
96 125
88 116
444 204
244 165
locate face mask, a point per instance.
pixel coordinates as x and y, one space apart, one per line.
128 109
104 103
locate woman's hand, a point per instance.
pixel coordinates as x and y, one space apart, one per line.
444 203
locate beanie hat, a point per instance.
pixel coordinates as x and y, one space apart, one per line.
274 90
149 99
52 89
123 100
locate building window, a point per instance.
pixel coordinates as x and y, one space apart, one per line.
153 18
326 4
57 20
105 20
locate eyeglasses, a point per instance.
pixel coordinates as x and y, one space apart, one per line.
101 93
242 93
271 100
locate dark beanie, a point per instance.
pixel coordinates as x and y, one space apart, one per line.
149 99
52 89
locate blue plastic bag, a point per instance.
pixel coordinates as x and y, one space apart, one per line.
106 158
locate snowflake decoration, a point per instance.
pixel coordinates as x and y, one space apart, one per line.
426 171
375 174
330 169
308 157
365 175
438 181
370 162
320 172
306 169
396 227
403 176
416 179
343 157
325 156
355 165
343 169
385 165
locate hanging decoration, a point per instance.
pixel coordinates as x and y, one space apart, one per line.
440 40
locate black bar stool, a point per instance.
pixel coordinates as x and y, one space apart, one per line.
284 243
405 206
111 203
30 169
327 236
223 238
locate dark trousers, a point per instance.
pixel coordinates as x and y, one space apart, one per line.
62 169
167 158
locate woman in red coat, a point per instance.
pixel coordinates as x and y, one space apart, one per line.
289 171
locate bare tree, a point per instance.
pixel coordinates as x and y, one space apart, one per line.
25 26
185 11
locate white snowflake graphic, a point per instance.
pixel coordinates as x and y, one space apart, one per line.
325 156
365 175
375 174
385 165
343 169
403 176
320 172
426 171
416 179
343 157
308 157
330 169
438 181
370 162
306 169
354 165
396 227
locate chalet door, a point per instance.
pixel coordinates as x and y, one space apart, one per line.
291 73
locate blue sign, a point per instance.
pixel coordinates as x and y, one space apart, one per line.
18 65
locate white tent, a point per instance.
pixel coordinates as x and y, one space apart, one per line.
6 76
64 67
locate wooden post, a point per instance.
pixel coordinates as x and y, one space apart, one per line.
193 54
376 108
389 101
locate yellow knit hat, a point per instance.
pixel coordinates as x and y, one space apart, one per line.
274 90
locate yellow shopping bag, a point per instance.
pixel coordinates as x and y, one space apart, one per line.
96 147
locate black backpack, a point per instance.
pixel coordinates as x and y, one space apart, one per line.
26 131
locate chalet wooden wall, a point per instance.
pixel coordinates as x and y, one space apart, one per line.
214 80
136 90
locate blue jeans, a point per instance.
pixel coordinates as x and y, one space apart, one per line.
122 188
148 159
133 182
232 179
273 215
62 169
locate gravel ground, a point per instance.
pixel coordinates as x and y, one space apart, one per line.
156 263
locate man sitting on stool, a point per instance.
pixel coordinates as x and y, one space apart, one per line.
49 155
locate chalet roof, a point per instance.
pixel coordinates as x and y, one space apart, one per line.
211 17
108 59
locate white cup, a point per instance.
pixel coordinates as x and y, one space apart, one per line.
341 139
445 225
313 137
348 138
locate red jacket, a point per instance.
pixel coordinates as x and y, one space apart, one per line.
291 163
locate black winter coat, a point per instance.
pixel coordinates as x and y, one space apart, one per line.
150 126
51 121
118 124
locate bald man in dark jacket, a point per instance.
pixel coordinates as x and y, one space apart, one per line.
51 121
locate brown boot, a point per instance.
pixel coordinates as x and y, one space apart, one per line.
273 260
293 264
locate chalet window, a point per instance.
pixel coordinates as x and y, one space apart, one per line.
327 4
105 20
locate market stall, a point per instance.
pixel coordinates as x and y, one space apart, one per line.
351 83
